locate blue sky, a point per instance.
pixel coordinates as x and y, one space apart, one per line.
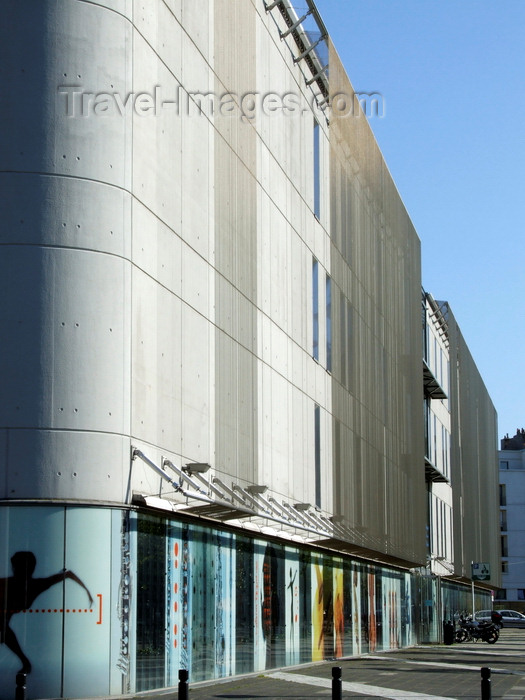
452 76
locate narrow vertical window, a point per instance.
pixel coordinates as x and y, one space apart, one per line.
342 336
443 533
428 417
443 460
315 308
317 171
317 451
433 456
425 333
328 323
503 520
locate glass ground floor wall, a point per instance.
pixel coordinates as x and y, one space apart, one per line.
65 600
99 601
462 600
221 603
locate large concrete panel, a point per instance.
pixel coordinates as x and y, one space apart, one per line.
57 64
157 145
197 18
159 25
123 7
198 395
66 352
65 213
156 249
55 464
198 183
156 364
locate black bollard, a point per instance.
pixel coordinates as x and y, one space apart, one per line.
183 685
485 683
337 683
20 691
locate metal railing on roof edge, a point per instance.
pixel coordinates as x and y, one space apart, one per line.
307 43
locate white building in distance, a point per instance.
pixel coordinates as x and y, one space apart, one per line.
512 520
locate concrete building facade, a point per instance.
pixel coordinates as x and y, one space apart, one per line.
218 448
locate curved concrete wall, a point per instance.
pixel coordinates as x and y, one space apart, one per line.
107 342
65 270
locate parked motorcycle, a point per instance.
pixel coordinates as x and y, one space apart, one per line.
471 631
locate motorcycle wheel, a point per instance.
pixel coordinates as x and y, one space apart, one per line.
461 636
493 637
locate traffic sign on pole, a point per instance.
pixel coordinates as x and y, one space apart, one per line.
480 571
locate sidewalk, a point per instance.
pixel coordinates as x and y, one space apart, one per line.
426 672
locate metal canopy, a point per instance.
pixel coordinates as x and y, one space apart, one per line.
251 508
195 495
433 388
432 473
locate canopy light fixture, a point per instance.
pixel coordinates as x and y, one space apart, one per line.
256 488
196 468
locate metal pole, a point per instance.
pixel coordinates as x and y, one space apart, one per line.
485 683
20 691
337 683
183 685
473 592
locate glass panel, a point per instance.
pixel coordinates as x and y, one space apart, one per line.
328 324
151 602
246 614
90 594
315 308
305 606
51 570
273 597
202 616
317 171
31 562
291 561
342 336
328 609
503 520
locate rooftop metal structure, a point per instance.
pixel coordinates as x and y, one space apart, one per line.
300 21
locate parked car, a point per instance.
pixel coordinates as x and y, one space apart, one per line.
509 618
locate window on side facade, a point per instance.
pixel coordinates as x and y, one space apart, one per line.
317 170
328 323
315 309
